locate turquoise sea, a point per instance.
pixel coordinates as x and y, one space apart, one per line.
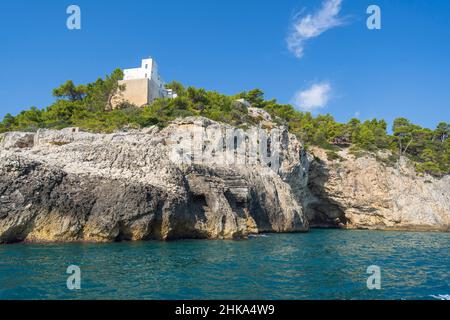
322 264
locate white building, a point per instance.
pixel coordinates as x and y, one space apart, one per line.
143 85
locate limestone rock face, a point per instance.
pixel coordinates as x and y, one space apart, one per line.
150 184
366 193
200 179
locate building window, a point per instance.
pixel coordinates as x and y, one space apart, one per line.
146 66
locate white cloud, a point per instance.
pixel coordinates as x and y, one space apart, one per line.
313 25
316 97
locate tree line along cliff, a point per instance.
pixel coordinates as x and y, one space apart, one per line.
89 107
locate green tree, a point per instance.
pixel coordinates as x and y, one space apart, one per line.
176 87
365 138
9 122
255 97
403 134
69 91
100 93
442 131
30 120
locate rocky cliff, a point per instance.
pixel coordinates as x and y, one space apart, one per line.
200 179
366 193
150 184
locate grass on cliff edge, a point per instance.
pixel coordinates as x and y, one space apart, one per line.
90 108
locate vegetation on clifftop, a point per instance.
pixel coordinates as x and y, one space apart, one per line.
89 107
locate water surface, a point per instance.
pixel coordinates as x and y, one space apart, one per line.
321 264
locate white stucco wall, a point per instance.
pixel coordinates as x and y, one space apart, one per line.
146 71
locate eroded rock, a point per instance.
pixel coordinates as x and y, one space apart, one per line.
365 193
77 186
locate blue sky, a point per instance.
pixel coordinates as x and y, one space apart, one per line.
230 46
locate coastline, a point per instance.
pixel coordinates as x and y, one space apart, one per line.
70 186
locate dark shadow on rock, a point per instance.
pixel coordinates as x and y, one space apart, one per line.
321 211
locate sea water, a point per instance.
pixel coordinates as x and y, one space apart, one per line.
321 264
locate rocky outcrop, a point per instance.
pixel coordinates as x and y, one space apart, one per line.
365 193
201 179
150 184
